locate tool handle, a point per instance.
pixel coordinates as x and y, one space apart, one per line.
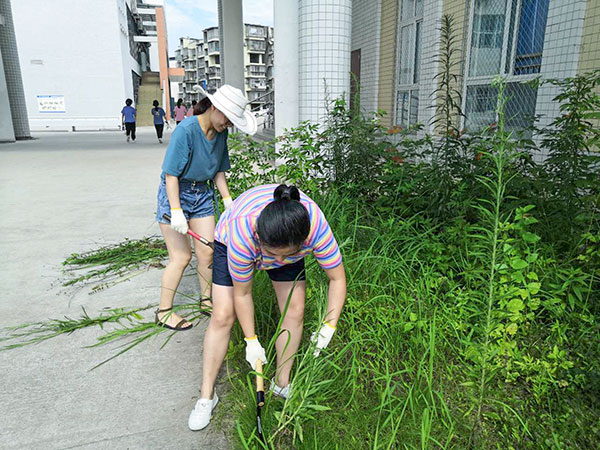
191 233
260 384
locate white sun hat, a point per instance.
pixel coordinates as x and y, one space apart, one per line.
232 103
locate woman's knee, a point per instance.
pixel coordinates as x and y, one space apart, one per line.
295 312
181 259
222 319
204 254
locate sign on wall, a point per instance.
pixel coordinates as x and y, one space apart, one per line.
51 103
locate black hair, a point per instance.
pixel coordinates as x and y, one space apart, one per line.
194 102
202 106
155 104
179 102
285 221
128 102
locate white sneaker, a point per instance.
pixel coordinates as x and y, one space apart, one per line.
127 138
283 392
160 141
202 412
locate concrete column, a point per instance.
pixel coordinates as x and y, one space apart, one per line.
12 72
163 59
325 28
7 133
285 67
231 27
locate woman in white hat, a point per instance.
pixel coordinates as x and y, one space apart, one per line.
197 153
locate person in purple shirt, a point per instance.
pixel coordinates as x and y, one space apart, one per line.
159 122
128 118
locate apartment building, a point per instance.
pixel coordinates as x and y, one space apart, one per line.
201 60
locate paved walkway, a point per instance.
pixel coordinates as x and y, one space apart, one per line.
71 192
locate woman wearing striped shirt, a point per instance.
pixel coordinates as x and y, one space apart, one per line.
268 228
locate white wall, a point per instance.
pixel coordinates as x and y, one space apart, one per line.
75 49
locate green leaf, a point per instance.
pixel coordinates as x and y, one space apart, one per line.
413 317
534 288
530 237
511 329
518 263
515 305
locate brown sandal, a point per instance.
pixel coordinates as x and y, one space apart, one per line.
178 327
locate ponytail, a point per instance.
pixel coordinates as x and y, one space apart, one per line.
285 221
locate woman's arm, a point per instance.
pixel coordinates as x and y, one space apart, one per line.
221 183
336 296
172 184
244 307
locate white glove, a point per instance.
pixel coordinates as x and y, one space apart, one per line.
323 337
227 201
178 222
254 352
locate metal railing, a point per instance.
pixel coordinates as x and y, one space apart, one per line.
266 110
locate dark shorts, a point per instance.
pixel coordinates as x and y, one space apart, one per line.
222 277
196 201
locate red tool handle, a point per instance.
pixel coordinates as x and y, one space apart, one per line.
191 233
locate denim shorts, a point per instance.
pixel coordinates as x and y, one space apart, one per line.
196 200
222 277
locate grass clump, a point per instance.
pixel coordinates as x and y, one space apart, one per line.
112 264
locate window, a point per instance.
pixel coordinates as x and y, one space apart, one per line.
254 58
217 59
532 29
493 37
257 70
409 67
257 45
519 110
507 38
213 46
255 31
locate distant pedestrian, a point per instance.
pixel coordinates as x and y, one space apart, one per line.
128 114
180 111
159 122
191 110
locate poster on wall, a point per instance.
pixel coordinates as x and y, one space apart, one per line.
51 103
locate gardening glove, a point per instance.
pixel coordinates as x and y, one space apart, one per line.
254 351
178 222
227 201
323 337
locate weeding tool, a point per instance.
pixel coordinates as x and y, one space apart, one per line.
192 234
260 399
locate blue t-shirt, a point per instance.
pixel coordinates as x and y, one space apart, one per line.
191 156
129 113
158 116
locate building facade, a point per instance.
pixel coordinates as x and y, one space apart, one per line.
201 60
397 44
81 60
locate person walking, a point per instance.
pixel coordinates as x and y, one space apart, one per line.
190 111
197 154
180 111
159 122
128 114
270 228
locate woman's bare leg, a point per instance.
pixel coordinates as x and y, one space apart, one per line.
180 253
216 339
288 342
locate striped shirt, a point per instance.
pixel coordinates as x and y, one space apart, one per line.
237 230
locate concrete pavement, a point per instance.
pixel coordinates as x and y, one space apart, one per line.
71 192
